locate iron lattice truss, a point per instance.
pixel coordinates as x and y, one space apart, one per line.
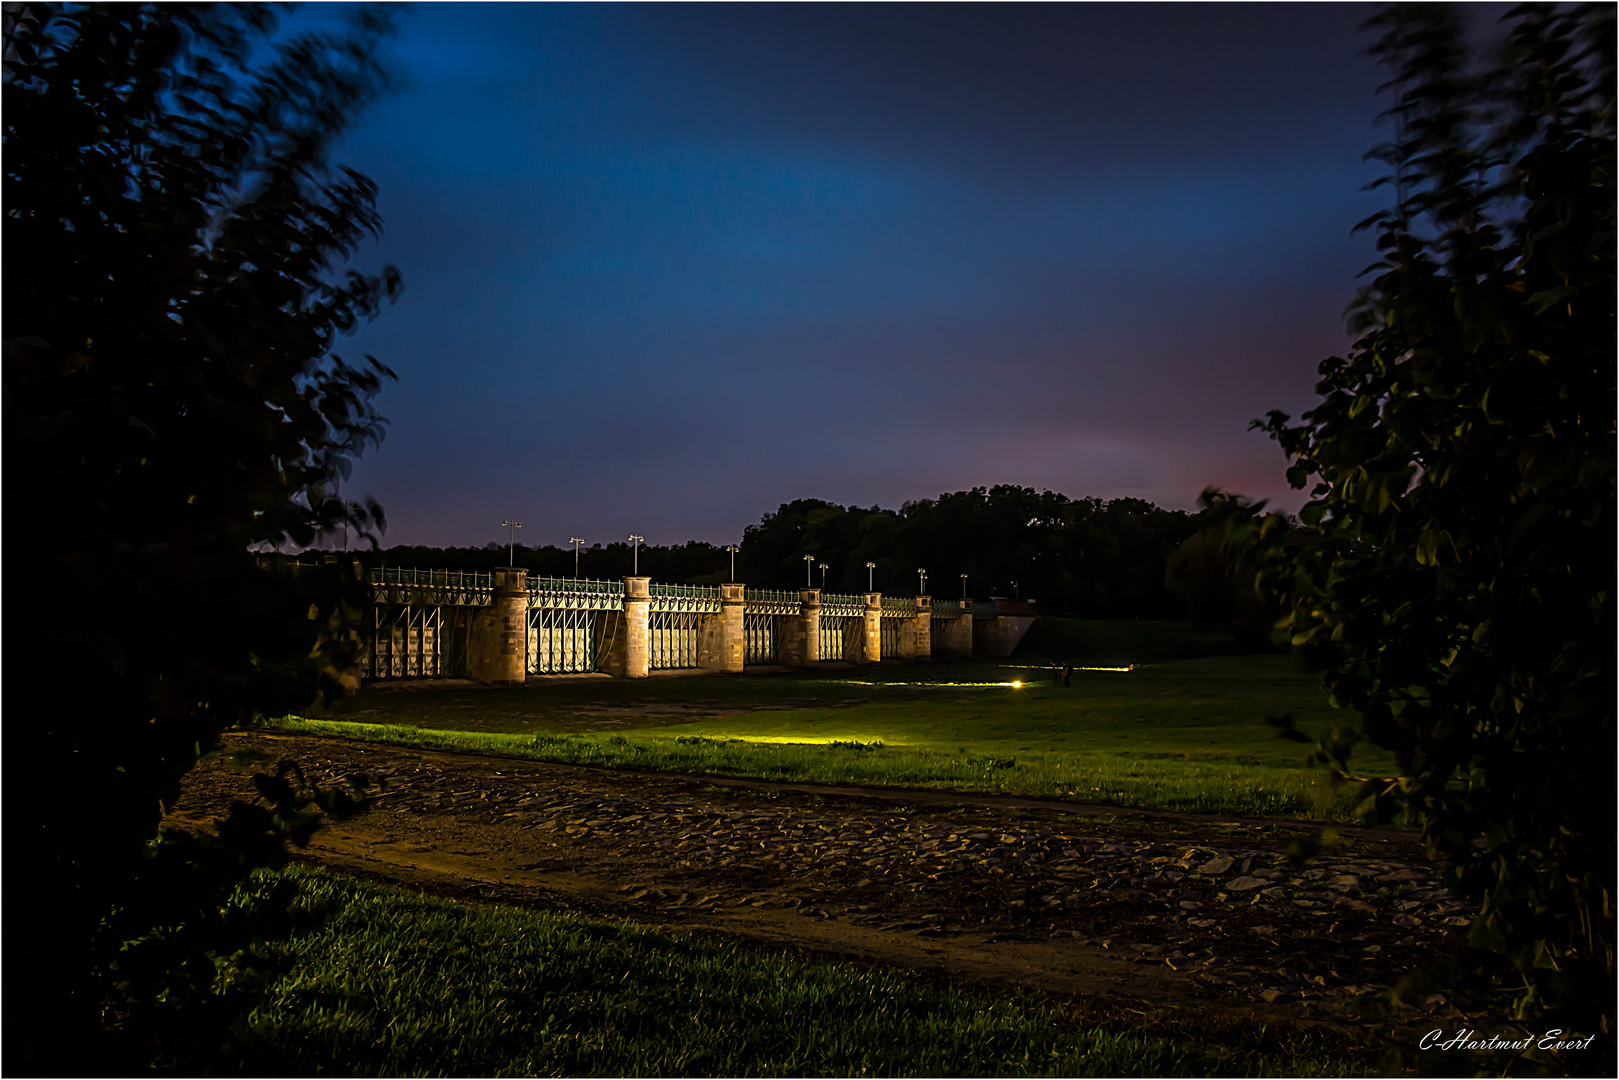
565 617
771 602
404 641
888 637
430 588
836 634
832 604
900 607
761 637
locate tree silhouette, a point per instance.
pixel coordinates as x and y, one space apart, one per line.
1456 572
176 249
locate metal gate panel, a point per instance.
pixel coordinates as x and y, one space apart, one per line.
888 637
561 640
674 623
405 643
763 613
759 638
564 616
672 639
835 631
842 617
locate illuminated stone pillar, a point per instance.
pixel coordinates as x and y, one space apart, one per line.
801 637
916 635
719 646
869 644
637 601
497 652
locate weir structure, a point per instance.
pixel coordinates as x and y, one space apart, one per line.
505 627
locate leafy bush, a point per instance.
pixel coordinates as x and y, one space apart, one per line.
1456 570
175 280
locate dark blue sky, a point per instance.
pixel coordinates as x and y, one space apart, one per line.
668 267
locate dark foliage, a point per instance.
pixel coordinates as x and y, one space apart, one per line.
1085 556
174 282
1213 571
1456 575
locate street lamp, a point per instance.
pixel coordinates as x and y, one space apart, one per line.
964 586
809 564
733 549
871 568
635 554
511 541
921 582
576 541
1015 594
823 575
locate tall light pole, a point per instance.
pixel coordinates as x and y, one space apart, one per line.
1015 594
871 568
809 564
733 549
964 586
921 582
576 541
511 541
823 575
635 554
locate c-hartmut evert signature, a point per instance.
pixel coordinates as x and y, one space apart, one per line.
1467 1039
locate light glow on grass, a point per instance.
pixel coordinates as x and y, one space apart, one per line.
943 685
1073 667
874 742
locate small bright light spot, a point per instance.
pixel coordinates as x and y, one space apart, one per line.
1017 685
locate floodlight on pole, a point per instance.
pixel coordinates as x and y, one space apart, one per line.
733 549
635 554
823 575
964 586
576 541
921 582
809 569
511 541
1015 594
871 568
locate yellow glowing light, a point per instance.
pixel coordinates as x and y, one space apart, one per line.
1017 684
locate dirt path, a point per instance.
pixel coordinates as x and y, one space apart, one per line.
1168 909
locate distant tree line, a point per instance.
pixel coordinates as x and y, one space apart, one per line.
1089 557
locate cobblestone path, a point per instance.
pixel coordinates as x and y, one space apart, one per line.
1162 907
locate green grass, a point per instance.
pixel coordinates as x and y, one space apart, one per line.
1179 735
392 983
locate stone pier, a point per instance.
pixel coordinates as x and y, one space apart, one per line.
957 637
916 634
497 646
866 646
624 641
719 647
483 621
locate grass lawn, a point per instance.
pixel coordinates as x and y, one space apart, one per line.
1186 734
392 983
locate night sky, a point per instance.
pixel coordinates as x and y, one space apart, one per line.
668 267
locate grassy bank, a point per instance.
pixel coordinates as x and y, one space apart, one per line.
392 983
1180 735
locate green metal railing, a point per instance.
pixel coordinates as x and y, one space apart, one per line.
685 592
575 586
838 604
404 585
771 602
